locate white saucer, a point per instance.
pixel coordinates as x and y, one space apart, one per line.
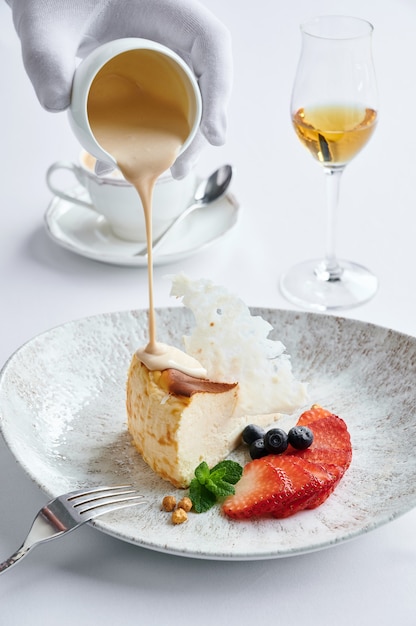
88 234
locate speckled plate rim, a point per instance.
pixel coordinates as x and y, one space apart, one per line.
363 372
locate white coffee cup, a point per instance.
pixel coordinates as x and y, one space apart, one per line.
118 201
94 62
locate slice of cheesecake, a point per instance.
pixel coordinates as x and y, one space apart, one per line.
176 421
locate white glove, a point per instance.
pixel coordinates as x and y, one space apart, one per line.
54 32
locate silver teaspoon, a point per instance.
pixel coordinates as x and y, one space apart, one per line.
207 191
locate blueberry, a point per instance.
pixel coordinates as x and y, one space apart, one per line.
251 433
275 441
300 437
257 449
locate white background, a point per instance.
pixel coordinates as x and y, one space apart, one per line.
91 578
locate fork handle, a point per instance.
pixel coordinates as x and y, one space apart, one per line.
43 529
14 558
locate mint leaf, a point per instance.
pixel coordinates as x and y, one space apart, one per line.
202 472
210 485
220 488
233 471
202 498
217 474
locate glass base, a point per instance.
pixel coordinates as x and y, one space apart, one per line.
312 286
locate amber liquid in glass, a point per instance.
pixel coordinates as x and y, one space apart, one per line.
334 134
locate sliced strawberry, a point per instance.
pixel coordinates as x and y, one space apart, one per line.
258 491
281 485
329 430
264 489
324 474
316 412
331 439
325 480
325 456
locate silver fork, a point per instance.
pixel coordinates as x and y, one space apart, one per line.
70 511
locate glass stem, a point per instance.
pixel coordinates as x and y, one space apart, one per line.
332 270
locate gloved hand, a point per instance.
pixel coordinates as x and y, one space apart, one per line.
54 32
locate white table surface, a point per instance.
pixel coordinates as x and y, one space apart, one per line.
89 577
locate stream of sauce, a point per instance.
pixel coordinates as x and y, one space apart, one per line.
137 109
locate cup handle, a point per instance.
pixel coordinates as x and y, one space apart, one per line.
65 165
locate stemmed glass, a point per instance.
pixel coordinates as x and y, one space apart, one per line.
334 113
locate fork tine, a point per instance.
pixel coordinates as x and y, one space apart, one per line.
106 506
94 491
103 499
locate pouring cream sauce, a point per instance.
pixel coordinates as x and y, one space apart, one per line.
137 109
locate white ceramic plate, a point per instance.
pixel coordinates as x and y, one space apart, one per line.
85 232
63 416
